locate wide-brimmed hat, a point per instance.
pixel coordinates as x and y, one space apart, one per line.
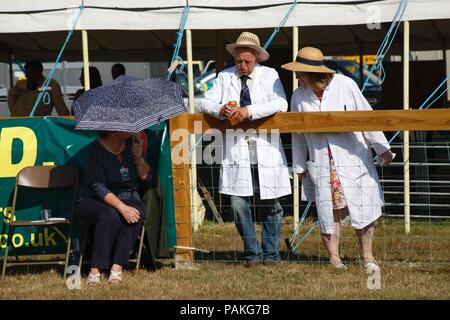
308 59
251 41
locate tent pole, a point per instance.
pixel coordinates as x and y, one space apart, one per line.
11 72
84 36
296 182
64 82
406 186
190 70
193 169
220 54
447 67
361 64
295 48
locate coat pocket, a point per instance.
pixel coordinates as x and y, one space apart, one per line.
313 171
353 171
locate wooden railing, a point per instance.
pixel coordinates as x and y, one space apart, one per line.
287 122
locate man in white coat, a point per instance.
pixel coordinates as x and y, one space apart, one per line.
254 167
338 166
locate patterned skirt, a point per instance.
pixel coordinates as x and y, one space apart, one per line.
337 194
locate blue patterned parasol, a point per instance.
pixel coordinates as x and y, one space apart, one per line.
128 104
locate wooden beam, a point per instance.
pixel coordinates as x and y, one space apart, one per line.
348 121
182 195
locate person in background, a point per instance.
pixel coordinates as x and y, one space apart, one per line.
23 95
95 80
109 199
254 167
117 70
337 169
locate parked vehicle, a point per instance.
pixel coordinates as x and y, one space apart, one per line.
205 81
3 93
210 65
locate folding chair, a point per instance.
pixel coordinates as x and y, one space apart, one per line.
136 260
50 178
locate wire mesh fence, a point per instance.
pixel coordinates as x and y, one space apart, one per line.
428 241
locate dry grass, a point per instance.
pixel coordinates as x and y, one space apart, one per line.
427 242
231 281
421 276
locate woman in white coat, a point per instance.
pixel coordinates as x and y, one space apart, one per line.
338 167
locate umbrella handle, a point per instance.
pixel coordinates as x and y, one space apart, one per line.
136 138
158 128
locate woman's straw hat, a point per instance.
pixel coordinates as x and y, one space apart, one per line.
251 41
308 59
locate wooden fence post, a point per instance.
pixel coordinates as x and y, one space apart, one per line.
179 143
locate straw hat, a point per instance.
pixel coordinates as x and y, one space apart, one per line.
308 59
251 41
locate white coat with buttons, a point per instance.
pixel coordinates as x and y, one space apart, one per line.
351 153
268 97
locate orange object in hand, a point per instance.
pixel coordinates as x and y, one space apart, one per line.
233 104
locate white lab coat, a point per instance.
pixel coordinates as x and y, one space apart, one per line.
268 98
351 153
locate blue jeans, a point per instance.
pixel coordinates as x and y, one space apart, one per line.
272 213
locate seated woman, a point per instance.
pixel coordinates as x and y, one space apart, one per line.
110 200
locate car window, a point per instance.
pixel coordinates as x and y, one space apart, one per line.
353 68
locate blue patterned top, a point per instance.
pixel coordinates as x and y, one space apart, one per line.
103 174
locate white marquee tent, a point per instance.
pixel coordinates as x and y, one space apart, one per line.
145 30
50 15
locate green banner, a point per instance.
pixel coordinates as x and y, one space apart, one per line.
47 141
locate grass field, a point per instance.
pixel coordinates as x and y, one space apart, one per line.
416 266
427 242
